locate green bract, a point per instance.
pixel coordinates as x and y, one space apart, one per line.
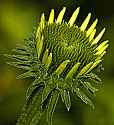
61 57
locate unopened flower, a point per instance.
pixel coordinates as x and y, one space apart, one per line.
61 57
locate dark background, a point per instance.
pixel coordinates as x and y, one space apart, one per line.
17 20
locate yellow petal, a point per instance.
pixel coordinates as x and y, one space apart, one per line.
39 46
99 52
100 56
92 35
60 16
41 25
61 67
73 70
85 23
98 37
94 65
74 16
102 45
38 32
85 69
45 56
49 60
51 17
90 30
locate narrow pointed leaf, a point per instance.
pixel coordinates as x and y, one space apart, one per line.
15 64
21 47
88 86
47 90
94 76
26 75
52 106
30 91
21 52
83 97
95 79
20 62
21 57
65 95
32 87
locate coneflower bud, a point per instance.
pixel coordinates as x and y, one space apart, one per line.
61 58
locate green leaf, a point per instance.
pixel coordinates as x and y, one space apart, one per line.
20 62
21 51
19 65
83 97
21 57
94 76
32 87
47 90
22 47
88 86
65 95
52 105
38 81
30 91
26 75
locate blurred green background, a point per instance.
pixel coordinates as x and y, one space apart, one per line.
17 20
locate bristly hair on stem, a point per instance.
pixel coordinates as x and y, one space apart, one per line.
62 58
